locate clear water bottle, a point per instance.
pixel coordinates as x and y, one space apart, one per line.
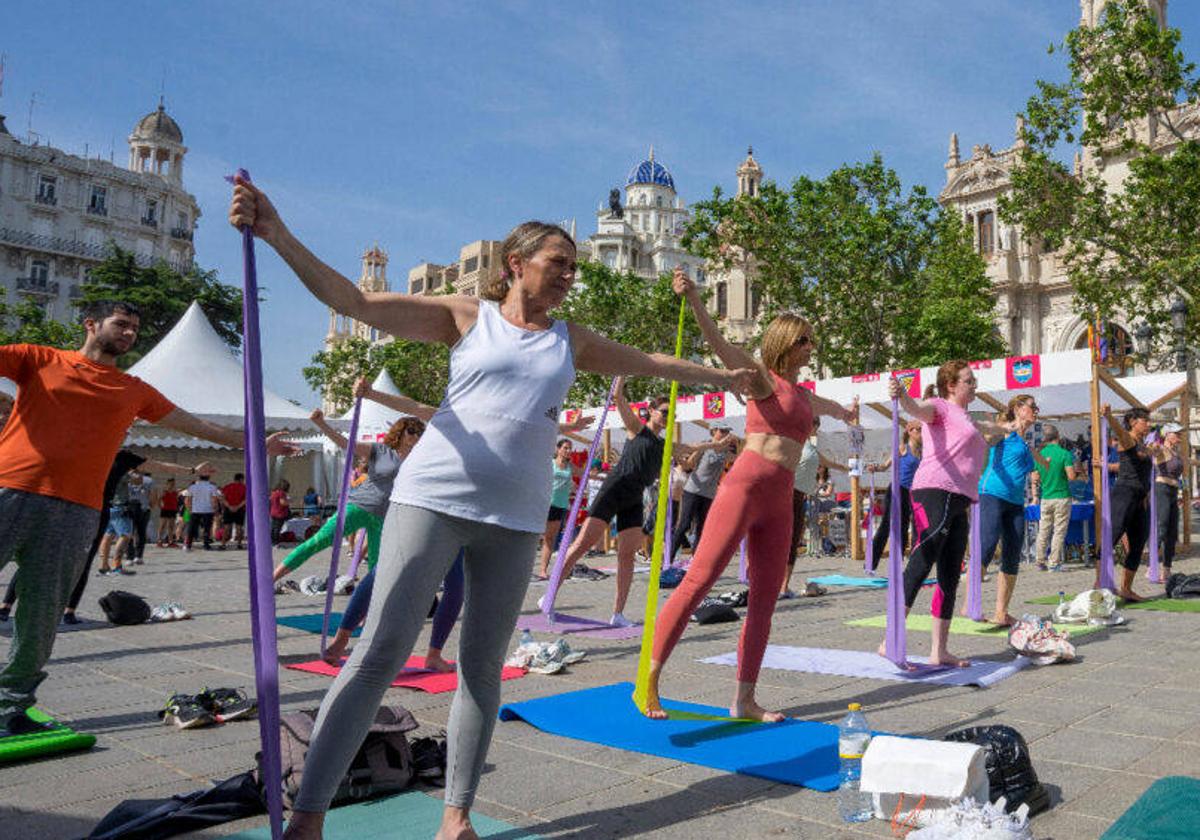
853 737
526 637
1062 598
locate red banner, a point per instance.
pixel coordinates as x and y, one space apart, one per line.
573 414
685 398
1023 372
983 364
911 380
637 409
714 405
809 385
865 377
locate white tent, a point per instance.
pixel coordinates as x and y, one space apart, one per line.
374 419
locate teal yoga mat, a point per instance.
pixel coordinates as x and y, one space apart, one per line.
412 814
1166 811
795 752
865 582
311 622
56 740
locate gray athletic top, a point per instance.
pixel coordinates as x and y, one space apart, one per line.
703 480
373 494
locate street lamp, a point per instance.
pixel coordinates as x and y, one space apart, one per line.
1144 336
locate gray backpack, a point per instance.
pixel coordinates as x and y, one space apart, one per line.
383 764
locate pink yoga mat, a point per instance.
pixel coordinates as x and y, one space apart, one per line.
414 675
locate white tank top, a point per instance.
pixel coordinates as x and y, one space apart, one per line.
483 455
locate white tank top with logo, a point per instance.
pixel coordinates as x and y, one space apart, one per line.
483 455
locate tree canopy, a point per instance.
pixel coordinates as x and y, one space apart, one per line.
886 279
1126 221
24 322
419 370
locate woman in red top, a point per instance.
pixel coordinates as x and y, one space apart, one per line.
281 509
753 501
167 511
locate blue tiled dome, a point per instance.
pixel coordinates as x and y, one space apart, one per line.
650 172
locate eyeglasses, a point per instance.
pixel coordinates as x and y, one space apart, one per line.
803 341
413 432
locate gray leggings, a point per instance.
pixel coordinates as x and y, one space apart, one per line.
416 551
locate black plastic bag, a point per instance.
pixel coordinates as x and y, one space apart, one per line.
1180 585
1009 767
149 819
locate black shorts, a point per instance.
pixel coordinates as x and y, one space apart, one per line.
556 514
234 517
167 514
621 498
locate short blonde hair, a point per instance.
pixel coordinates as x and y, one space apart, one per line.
781 334
524 241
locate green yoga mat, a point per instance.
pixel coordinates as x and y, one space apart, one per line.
965 626
418 813
1157 604
59 739
1166 811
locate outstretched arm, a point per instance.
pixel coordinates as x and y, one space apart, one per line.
598 354
731 355
1124 439
318 418
917 409
633 423
190 424
829 463
150 465
405 405
829 408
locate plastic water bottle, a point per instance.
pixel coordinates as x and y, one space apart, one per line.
526 637
853 737
1062 598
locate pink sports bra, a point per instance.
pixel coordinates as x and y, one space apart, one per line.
786 412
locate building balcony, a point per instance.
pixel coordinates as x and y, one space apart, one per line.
37 286
149 222
97 209
181 233
74 248
48 199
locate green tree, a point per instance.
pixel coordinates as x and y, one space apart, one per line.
884 277
419 370
24 322
162 294
1127 98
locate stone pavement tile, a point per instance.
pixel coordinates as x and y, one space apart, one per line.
1114 752
1065 825
531 780
32 821
731 789
102 758
1168 699
1131 673
168 739
1053 711
751 821
1065 781
1111 797
1088 688
1170 759
121 780
1138 720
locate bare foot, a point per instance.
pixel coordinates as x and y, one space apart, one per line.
749 710
1004 621
435 662
334 652
456 825
1129 595
882 649
951 660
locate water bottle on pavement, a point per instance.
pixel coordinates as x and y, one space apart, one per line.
853 737
526 637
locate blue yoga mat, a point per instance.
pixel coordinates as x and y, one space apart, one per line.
418 813
311 622
866 582
795 752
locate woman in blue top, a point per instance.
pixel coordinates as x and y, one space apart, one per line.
1002 500
312 502
560 500
910 459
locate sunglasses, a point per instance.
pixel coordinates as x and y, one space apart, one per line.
802 341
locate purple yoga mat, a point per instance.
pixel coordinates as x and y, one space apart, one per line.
975 567
895 640
1105 580
564 544
258 528
1155 573
339 528
563 624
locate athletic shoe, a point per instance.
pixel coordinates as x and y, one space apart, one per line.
429 759
343 585
137 561
541 603
565 654
227 704
162 613
23 724
786 595
70 618
544 662
313 585
177 611
186 712
102 572
121 570
619 620
4 613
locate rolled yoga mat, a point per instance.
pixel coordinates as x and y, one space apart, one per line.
966 627
60 738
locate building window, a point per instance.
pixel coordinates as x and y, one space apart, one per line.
700 278
150 217
39 273
471 264
47 190
98 203
751 188
418 286
722 300
658 201
755 301
987 232
483 259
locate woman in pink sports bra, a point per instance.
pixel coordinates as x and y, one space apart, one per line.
753 501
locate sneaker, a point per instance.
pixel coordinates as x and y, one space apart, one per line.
544 662
121 570
227 704
137 561
23 724
619 620
70 618
162 613
186 712
429 759
786 595
103 572
563 652
313 585
177 611
343 585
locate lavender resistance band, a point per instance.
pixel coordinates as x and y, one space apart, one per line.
340 528
667 536
569 529
1105 579
895 640
360 543
869 553
743 577
1155 573
975 567
262 591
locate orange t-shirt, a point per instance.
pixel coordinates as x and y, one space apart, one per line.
70 419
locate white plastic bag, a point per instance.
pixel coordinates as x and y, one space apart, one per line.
1095 606
913 778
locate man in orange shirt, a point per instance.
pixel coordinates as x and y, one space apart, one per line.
71 415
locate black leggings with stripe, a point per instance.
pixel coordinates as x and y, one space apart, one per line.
943 525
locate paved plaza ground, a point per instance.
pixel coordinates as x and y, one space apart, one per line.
1101 729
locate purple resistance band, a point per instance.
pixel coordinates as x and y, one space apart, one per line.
262 591
1155 573
895 640
1106 580
869 548
340 528
975 567
569 532
666 561
742 576
360 543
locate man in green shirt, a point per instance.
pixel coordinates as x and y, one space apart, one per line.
1053 480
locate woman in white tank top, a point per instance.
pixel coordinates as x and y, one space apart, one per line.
476 480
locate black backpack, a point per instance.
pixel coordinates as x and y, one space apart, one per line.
1180 585
1009 767
125 608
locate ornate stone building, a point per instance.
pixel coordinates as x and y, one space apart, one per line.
59 211
735 301
373 278
1034 310
478 262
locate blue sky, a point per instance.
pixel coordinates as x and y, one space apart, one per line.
423 126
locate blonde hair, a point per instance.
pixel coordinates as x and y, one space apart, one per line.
947 375
396 433
779 337
1010 413
525 240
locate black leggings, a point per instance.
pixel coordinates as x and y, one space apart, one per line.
1166 498
141 519
885 524
943 525
1130 518
693 508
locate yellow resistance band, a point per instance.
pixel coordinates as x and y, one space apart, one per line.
660 526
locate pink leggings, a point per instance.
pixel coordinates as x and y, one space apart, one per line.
755 501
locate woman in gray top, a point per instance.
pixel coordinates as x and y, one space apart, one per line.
476 481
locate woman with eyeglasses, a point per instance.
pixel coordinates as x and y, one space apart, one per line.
1002 499
753 501
620 497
